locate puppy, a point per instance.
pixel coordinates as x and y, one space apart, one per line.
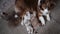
23 7
44 7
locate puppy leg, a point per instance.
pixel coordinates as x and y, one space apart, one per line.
29 29
48 17
41 18
22 23
27 23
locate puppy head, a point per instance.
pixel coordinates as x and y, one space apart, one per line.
11 18
47 4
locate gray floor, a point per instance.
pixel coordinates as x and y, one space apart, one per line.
51 27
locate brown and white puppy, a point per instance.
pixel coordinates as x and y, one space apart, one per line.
44 7
24 8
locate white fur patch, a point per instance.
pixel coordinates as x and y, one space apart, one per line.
39 2
16 16
48 17
45 11
22 23
41 18
28 15
29 28
26 18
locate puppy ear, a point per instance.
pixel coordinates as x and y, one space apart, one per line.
52 5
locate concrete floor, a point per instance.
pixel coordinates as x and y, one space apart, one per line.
51 27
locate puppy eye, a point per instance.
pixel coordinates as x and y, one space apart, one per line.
4 13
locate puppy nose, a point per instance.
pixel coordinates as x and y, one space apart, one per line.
3 13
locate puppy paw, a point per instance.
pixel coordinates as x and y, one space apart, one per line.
41 18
